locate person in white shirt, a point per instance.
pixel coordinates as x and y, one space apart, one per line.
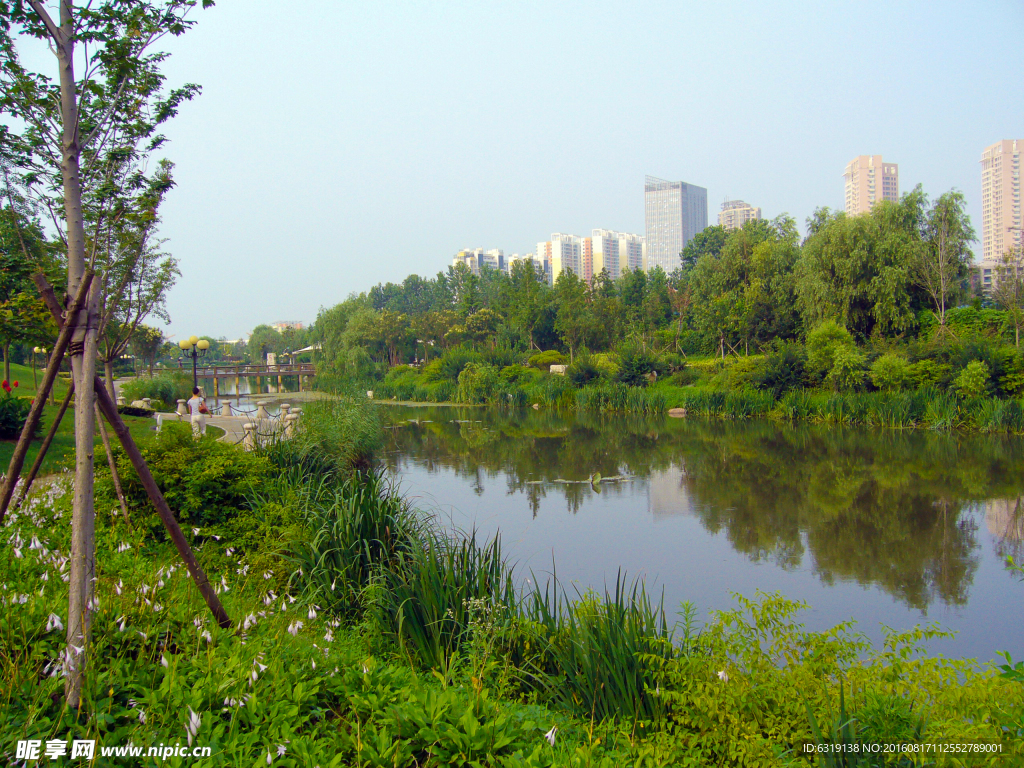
197 409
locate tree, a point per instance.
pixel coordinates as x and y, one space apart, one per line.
526 288
708 242
943 261
1008 288
573 321
262 340
146 344
24 319
115 106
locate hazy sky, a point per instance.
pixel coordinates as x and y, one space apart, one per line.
346 144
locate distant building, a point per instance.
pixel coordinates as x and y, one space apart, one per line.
869 180
674 212
736 213
1001 222
476 258
285 325
616 252
564 253
541 265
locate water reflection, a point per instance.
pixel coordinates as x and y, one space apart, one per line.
897 511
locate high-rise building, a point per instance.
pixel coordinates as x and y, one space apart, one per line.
869 180
562 252
540 264
1001 223
674 212
476 258
736 213
616 252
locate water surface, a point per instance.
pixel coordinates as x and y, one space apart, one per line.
884 527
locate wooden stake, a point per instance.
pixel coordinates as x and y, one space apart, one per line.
63 339
27 485
109 411
113 466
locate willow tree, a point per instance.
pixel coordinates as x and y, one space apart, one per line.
107 100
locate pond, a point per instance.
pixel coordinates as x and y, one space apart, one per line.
884 527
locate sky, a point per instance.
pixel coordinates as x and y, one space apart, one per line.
346 144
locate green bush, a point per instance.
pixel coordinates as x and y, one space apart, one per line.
930 373
741 373
782 369
847 373
891 372
583 371
450 364
478 383
544 360
637 367
822 345
337 435
167 388
973 380
205 482
517 374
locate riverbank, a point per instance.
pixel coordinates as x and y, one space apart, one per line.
369 636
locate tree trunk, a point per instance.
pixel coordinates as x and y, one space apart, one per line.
108 375
83 363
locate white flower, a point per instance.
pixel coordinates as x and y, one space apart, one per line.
195 531
123 546
366 670
281 750
270 760
224 584
120 627
119 586
206 634
230 551
17 553
142 716
314 665
45 576
294 627
194 722
163 660
35 543
291 599
132 703
267 576
312 613
157 607
329 636
550 735
53 622
723 676
250 621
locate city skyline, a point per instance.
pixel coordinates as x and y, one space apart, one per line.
407 154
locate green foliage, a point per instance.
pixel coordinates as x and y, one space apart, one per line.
930 373
891 372
478 383
823 343
204 481
544 360
583 371
127 410
782 369
847 373
337 434
164 390
638 366
973 380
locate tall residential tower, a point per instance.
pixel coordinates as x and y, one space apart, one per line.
736 213
869 180
674 212
1001 222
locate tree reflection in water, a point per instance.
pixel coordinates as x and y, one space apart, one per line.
894 509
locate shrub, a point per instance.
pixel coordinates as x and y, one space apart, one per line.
168 388
930 373
544 360
891 372
205 482
847 372
517 374
782 369
741 373
127 410
13 412
583 371
637 367
973 380
450 364
337 435
477 383
823 343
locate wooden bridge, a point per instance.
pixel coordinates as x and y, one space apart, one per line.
302 371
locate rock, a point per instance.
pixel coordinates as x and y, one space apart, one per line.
139 404
677 413
536 406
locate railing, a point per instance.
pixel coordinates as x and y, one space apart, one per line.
290 369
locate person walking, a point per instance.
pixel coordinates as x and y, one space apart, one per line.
198 410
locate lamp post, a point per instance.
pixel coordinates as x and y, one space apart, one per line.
194 348
35 380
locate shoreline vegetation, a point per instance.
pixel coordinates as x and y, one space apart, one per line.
368 635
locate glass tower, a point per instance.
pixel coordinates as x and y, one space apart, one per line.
674 212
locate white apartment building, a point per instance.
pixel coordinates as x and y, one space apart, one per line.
542 266
1002 228
736 213
616 252
562 252
869 180
477 257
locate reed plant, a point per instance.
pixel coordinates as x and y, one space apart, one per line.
601 654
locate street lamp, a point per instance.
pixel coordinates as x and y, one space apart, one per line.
35 351
193 347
